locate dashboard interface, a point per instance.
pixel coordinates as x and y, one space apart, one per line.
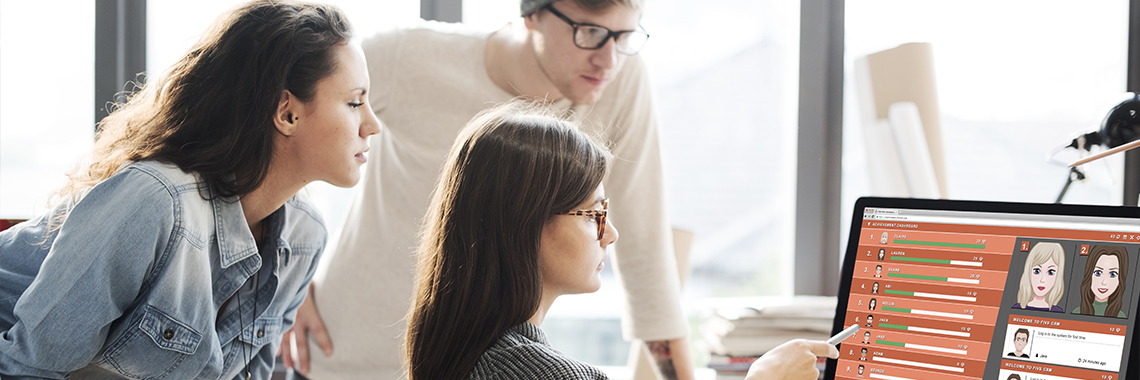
943 295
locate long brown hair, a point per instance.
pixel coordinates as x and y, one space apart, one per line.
511 169
211 112
1087 296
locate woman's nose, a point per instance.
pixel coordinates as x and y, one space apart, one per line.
611 234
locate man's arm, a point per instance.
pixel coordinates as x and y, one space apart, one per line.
308 321
672 358
644 258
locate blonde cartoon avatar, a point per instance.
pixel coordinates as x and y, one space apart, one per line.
1106 272
1042 282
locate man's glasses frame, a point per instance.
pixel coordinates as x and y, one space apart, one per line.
599 216
582 35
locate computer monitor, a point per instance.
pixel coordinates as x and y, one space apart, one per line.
989 290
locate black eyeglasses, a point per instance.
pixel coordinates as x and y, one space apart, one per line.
599 216
593 37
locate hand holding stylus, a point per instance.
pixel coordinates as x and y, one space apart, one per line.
792 360
842 335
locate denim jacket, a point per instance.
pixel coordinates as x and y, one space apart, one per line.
135 283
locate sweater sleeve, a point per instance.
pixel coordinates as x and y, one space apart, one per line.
643 258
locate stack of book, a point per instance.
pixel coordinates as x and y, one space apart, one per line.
739 331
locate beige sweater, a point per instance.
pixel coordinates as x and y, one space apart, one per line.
427 82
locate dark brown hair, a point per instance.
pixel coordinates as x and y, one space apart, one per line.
211 112
1087 296
511 169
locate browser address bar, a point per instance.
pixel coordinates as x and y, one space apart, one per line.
1107 227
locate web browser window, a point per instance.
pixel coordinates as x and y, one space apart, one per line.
970 295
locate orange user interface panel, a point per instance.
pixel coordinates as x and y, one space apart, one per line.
949 290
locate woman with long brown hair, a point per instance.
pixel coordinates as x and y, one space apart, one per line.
1106 278
518 218
182 249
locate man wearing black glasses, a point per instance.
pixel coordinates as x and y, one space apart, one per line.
427 81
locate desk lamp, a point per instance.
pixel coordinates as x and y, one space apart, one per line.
1118 131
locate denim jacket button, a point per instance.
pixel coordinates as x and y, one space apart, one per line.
168 334
260 333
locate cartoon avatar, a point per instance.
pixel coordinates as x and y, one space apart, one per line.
1013 376
1042 282
1106 272
866 337
875 288
883 240
878 271
871 306
860 370
1020 339
870 318
882 253
863 354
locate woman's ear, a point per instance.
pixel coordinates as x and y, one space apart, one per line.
288 113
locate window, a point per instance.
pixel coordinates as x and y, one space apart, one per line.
1016 80
47 67
726 78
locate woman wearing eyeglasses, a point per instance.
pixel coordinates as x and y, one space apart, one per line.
519 218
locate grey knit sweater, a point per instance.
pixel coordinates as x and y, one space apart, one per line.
523 353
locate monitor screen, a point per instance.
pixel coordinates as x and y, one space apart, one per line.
940 293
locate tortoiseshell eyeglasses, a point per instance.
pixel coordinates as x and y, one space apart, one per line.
599 216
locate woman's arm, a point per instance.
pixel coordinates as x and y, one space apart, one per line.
92 274
792 360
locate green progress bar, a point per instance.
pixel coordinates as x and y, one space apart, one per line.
898 309
890 326
899 292
890 343
939 244
921 260
918 277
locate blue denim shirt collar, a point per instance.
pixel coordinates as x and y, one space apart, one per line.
235 241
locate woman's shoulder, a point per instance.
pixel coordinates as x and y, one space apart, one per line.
138 183
154 175
522 353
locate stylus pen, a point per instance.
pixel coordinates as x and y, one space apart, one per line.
835 339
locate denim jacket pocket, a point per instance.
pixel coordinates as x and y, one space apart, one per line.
265 330
154 347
